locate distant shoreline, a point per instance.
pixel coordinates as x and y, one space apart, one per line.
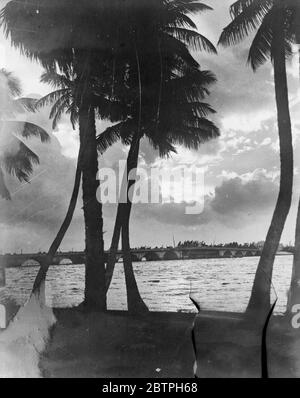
150 260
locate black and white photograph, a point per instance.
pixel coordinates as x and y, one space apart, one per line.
149 191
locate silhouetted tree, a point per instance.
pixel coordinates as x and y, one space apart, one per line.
273 39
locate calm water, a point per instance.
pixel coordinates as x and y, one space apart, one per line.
218 284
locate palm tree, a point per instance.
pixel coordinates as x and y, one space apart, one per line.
294 291
163 38
15 157
69 33
273 20
56 34
63 101
182 121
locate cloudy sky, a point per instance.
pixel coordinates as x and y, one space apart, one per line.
241 167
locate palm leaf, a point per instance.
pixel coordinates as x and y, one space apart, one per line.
193 39
260 49
25 129
18 159
55 79
192 86
180 20
4 192
241 5
121 131
180 51
9 80
109 136
164 147
193 136
261 46
57 110
191 7
245 22
25 104
50 98
73 112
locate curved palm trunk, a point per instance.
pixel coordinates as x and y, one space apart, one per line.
259 302
110 267
135 303
294 293
134 300
41 276
95 295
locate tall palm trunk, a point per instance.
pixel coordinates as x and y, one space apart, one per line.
259 302
134 300
121 210
95 295
41 276
135 303
110 267
294 293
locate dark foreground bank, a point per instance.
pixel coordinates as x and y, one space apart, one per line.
159 345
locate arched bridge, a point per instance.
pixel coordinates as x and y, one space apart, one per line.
179 253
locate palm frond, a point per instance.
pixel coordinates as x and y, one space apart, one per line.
261 46
192 86
4 192
193 136
25 104
55 79
109 136
193 39
180 51
18 159
181 20
260 49
73 112
113 111
7 79
25 129
190 7
164 147
245 22
121 131
57 110
241 5
50 98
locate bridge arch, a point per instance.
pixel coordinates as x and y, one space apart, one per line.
227 253
151 256
135 258
30 262
239 254
171 255
65 261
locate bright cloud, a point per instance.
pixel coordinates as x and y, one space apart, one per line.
245 123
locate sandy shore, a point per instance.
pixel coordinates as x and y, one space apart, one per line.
159 345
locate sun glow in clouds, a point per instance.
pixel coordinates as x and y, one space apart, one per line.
246 123
182 184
